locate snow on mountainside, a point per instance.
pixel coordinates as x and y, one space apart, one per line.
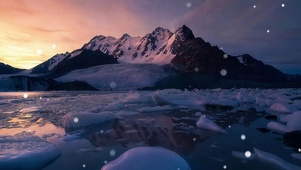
155 47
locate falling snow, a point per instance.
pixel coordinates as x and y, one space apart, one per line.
112 152
53 46
196 69
84 166
268 31
243 137
75 120
225 55
25 95
188 4
225 166
223 72
113 85
39 52
248 154
282 5
254 6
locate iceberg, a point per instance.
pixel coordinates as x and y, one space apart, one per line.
208 124
275 160
21 152
81 119
148 158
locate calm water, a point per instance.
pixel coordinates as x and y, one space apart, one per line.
92 147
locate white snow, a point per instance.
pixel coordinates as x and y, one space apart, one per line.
208 124
75 53
274 160
26 152
148 158
55 60
86 119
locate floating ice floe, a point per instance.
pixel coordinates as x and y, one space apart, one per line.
177 97
155 109
32 109
148 158
244 98
275 160
133 97
26 153
278 127
81 119
283 107
208 124
292 123
115 106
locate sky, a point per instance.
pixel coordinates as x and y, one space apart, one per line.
32 31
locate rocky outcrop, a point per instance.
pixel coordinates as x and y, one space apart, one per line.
199 57
84 59
7 69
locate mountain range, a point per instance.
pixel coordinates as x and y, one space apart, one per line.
153 61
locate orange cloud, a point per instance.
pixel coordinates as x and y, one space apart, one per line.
28 25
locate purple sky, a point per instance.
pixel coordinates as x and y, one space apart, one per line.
32 31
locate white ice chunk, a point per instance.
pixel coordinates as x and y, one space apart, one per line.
81 119
278 127
293 121
205 123
26 153
137 98
115 106
274 160
175 97
32 109
148 158
243 97
283 107
155 109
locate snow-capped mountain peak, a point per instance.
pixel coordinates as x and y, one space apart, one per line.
155 47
